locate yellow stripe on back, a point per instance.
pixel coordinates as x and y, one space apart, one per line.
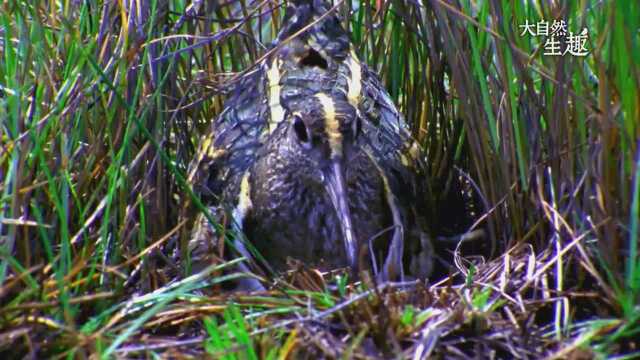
331 124
355 81
205 148
244 200
277 112
396 248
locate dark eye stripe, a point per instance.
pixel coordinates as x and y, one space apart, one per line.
301 130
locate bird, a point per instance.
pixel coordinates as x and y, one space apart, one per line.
311 159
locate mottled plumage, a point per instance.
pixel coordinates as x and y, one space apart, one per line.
314 161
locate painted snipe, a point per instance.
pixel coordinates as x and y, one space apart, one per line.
313 161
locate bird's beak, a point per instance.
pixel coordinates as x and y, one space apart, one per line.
335 186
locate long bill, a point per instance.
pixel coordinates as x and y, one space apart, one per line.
335 186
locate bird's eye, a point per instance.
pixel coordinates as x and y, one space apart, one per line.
302 132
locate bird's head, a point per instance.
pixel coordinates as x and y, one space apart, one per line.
306 157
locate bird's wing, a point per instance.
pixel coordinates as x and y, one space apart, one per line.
390 141
229 147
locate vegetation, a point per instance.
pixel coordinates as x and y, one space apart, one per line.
102 104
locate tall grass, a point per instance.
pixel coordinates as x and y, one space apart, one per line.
102 105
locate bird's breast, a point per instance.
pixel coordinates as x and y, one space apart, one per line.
292 215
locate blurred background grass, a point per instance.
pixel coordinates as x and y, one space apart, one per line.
102 105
